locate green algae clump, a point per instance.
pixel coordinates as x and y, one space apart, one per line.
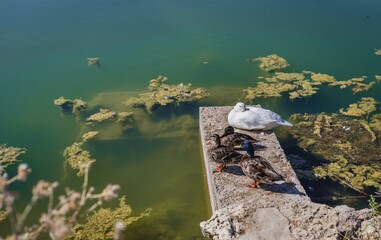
3 215
124 117
68 105
298 85
9 155
100 225
358 176
351 146
93 61
362 108
271 62
76 157
377 52
89 135
357 84
102 115
378 78
163 94
323 78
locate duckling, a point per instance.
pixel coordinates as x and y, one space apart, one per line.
257 168
233 139
222 154
254 118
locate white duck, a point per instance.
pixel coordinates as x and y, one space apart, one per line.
254 118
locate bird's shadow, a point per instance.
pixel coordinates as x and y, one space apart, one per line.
234 169
284 187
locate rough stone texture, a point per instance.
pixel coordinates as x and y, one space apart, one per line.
275 211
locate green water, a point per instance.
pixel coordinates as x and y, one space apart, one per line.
43 50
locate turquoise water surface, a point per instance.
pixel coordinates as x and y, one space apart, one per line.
43 50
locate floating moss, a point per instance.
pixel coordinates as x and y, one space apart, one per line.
271 62
298 85
359 176
163 94
351 146
323 78
266 90
93 61
3 215
124 117
102 115
89 135
68 105
378 78
377 51
357 84
76 156
9 155
100 225
285 77
362 108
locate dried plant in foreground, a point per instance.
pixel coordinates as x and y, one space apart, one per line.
61 219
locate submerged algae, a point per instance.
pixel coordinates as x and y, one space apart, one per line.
9 155
352 146
93 61
102 115
358 176
89 135
271 62
162 94
366 106
100 225
75 106
76 156
124 117
298 84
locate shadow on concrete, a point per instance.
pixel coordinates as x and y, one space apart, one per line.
234 169
282 188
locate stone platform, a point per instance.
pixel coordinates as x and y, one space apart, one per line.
274 211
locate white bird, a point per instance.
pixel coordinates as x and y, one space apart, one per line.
254 118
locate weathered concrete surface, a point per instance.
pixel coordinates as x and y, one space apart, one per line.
276 211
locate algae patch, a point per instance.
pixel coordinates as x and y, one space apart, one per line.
163 94
297 85
366 106
271 62
351 146
102 115
68 105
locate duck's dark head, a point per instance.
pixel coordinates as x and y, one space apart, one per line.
228 130
216 139
248 147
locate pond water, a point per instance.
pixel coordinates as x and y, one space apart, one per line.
43 50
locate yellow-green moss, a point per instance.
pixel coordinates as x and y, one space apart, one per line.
100 224
163 94
323 78
76 156
9 155
377 51
75 106
351 146
3 215
93 61
362 108
297 84
271 62
89 135
102 115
